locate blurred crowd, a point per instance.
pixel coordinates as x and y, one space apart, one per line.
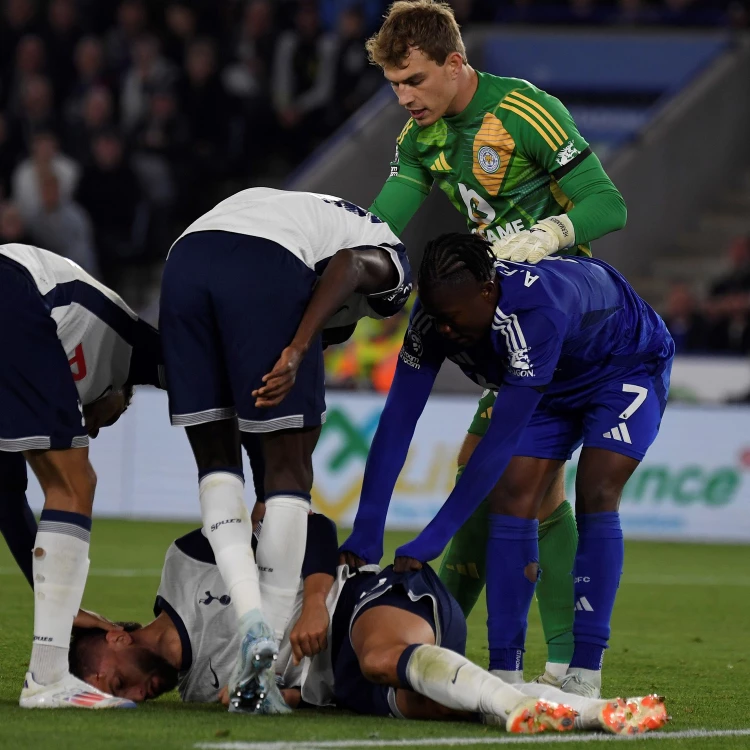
719 322
121 122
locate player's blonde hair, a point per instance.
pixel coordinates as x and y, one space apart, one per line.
426 25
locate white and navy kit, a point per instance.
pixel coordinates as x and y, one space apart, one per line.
194 597
67 340
235 288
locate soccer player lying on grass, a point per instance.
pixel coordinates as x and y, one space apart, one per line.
375 642
251 283
72 352
576 357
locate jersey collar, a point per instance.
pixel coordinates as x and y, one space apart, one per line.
474 107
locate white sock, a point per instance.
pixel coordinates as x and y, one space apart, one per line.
511 677
281 551
556 669
453 681
60 566
588 708
229 530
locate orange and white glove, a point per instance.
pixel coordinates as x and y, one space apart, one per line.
544 238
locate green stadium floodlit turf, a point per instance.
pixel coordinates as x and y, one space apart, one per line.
680 628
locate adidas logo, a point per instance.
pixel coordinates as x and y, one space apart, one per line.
440 164
619 433
583 605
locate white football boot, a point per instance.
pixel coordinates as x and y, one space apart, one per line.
69 692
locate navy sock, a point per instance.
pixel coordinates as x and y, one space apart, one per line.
512 567
403 663
598 567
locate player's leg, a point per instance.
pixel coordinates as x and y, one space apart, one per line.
616 715
17 522
287 456
558 541
200 267
463 568
621 422
513 559
40 415
394 638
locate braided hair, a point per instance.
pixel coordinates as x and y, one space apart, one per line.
452 259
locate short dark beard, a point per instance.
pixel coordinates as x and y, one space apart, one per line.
155 665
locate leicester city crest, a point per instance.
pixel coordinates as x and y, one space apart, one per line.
489 159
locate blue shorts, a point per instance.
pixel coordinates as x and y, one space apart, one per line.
621 414
39 404
420 592
230 304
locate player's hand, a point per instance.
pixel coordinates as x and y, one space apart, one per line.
280 380
544 238
223 696
355 562
309 635
87 619
405 564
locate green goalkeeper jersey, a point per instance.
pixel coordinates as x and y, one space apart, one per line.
513 156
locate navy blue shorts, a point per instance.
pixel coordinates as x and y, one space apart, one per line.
420 592
230 304
621 414
39 404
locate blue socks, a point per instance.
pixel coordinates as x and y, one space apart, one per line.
598 567
512 571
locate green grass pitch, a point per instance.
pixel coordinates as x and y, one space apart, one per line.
681 628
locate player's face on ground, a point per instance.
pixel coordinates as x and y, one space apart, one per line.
423 87
462 313
130 671
104 412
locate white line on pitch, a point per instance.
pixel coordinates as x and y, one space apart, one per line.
688 734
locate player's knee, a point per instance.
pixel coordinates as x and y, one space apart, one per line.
381 665
601 496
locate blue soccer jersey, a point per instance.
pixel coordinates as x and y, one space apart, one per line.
576 357
562 324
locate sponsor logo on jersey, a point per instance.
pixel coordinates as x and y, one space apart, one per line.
226 520
567 153
489 159
520 360
409 359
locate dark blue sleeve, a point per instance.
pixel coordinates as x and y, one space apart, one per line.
510 415
146 361
17 522
322 549
416 370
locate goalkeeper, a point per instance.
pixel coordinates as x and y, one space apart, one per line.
511 160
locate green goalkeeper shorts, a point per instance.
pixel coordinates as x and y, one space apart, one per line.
481 420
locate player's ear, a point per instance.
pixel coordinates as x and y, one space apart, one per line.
454 62
118 638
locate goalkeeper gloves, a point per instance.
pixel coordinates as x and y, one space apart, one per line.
544 238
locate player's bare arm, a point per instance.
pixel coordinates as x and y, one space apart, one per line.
309 636
350 271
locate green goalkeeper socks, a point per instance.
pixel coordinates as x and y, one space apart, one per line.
558 540
464 567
